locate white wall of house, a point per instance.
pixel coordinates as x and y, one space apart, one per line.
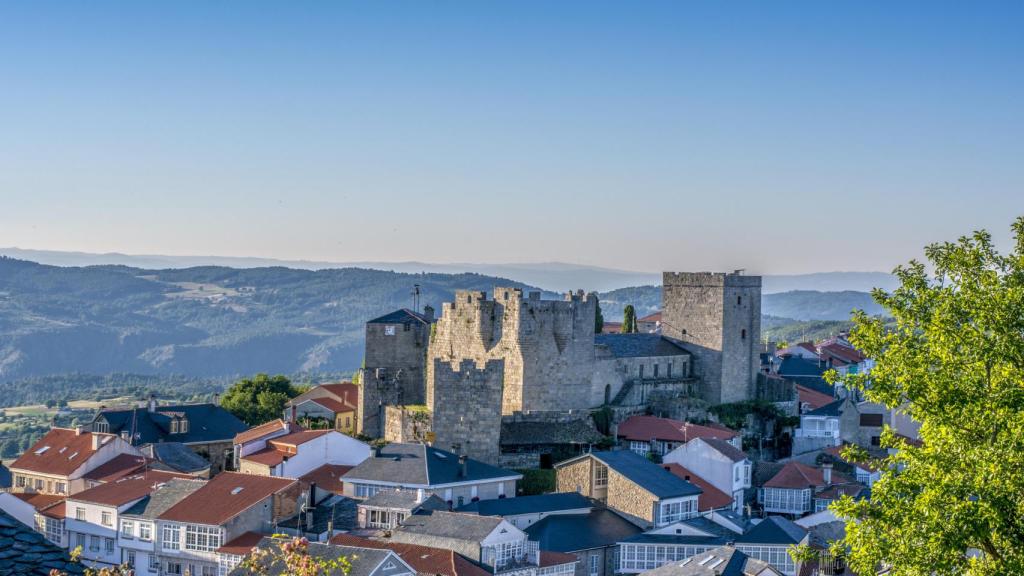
330 448
137 542
22 511
711 465
94 527
523 521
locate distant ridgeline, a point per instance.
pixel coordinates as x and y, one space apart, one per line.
215 322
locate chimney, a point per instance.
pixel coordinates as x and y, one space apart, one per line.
420 495
152 402
292 418
428 313
826 472
95 442
463 465
216 399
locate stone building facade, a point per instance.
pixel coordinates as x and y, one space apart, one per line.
467 401
718 317
394 365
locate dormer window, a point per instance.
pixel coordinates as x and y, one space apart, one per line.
183 426
101 426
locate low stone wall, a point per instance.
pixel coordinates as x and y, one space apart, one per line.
407 424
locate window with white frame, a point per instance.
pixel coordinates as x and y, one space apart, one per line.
129 558
786 500
600 475
127 529
106 518
170 537
145 531
60 488
52 529
642 557
777 556
202 538
208 571
154 563
641 448
676 511
108 546
80 513
173 568
508 552
595 564
94 543
367 490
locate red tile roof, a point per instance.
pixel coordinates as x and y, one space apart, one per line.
423 559
813 398
336 406
120 466
259 431
548 558
711 499
845 353
57 511
327 477
283 446
60 452
795 475
347 392
242 545
645 428
611 328
126 489
655 317
266 456
224 497
38 501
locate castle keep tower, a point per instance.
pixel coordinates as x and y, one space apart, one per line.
718 317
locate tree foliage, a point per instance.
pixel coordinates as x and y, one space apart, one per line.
598 321
954 362
629 320
259 399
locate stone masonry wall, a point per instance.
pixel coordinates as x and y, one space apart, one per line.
575 477
718 318
467 407
407 424
633 502
395 372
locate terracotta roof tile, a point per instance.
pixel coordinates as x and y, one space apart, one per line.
655 317
711 499
224 497
259 431
423 559
242 545
327 477
125 490
795 475
813 398
60 452
646 428
118 467
336 406
549 558
38 501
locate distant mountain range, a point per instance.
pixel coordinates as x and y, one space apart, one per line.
217 321
554 276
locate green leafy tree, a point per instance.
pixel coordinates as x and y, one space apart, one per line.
259 399
629 320
598 320
954 362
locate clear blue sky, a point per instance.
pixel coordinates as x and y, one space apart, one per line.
775 136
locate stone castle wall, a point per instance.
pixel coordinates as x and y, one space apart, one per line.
394 373
547 346
407 424
718 317
467 408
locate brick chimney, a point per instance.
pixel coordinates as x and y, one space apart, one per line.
826 472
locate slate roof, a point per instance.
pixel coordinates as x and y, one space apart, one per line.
176 456
711 498
404 499
832 409
60 452
725 449
206 423
639 345
399 317
644 473
468 527
421 465
532 433
5 477
337 511
646 428
575 532
528 504
23 551
224 497
721 561
363 560
425 560
773 530
163 498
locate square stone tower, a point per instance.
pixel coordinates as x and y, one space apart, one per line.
718 317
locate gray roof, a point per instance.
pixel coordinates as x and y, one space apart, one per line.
363 560
399 317
23 551
574 532
206 423
773 530
639 345
403 499
529 504
646 474
421 465
726 449
717 535
468 527
163 498
721 561
531 433
176 456
337 511
830 409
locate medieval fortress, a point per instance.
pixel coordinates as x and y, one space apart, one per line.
490 368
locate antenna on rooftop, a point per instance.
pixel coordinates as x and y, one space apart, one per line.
416 298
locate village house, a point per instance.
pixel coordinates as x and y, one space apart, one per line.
650 324
298 453
207 429
650 434
93 516
425 560
792 490
388 508
592 538
190 532
770 540
58 462
720 463
137 534
457 480
711 498
673 543
630 484
721 561
331 406
45 512
524 511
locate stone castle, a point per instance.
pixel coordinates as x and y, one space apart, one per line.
488 365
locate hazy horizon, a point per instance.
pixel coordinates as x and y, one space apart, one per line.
779 138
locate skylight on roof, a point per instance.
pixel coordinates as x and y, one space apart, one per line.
685 562
439 455
236 490
73 455
716 562
705 561
42 450
62 449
